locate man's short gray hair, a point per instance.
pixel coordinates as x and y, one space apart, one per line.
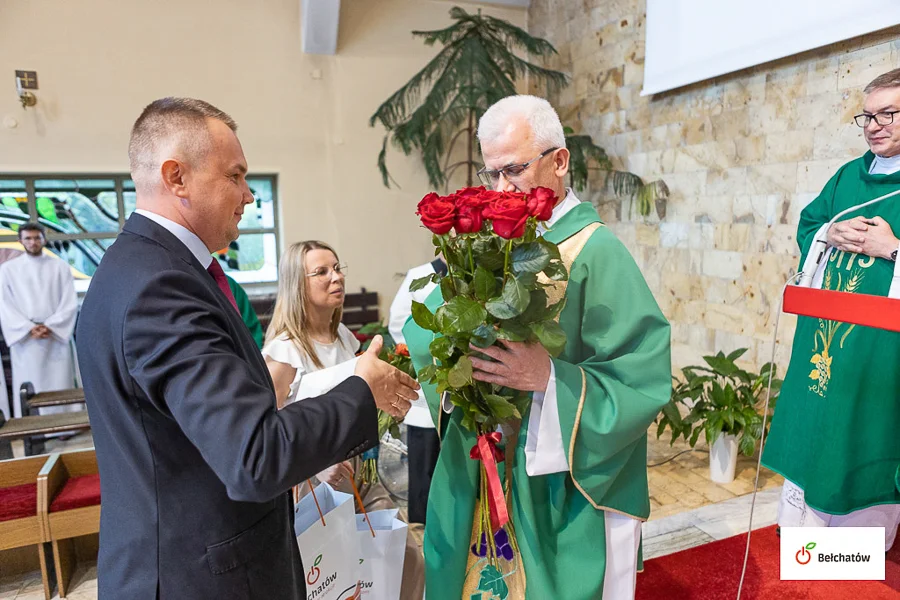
167 123
544 122
891 79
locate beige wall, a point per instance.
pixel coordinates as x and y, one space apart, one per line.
100 62
742 155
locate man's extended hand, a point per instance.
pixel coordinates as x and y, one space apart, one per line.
392 388
519 366
880 239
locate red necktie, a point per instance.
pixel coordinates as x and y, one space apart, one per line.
215 269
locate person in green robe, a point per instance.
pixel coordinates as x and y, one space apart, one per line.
248 315
833 435
576 467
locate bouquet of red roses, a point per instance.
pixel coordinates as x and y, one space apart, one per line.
499 270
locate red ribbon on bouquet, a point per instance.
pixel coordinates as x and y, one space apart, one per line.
487 452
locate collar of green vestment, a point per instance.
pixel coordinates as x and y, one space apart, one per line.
572 222
865 163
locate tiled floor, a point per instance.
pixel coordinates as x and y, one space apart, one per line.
687 509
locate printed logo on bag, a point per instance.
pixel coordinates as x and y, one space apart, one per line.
351 593
839 553
803 556
313 576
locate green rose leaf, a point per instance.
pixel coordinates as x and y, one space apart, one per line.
485 284
530 258
514 331
426 374
420 283
551 336
492 261
459 315
552 249
537 307
512 302
447 289
556 271
461 373
423 317
556 309
529 280
501 407
441 348
484 336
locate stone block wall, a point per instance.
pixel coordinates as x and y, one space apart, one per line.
741 154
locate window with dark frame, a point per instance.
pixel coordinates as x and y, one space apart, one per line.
84 213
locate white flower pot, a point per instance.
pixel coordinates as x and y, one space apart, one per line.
723 458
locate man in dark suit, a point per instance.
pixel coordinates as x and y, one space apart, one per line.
195 461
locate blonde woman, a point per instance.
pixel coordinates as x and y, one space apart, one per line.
308 351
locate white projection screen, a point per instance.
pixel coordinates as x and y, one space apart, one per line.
693 40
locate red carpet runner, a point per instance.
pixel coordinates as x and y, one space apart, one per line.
712 572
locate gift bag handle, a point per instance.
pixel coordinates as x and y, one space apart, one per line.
362 508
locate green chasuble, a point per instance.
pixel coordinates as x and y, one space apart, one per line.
248 315
612 379
834 433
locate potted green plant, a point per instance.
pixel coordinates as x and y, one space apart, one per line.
724 402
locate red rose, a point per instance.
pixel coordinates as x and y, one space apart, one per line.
468 213
437 213
402 350
470 192
541 201
509 214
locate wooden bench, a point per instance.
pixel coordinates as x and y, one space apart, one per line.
20 431
31 402
21 524
360 308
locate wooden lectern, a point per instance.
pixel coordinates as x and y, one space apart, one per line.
879 312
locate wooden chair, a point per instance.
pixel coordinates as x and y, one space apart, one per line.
69 485
360 309
22 522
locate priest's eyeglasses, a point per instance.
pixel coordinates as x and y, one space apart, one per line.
882 118
490 177
325 272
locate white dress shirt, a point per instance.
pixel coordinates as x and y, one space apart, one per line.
186 236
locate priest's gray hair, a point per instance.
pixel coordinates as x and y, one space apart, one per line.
544 122
891 79
176 126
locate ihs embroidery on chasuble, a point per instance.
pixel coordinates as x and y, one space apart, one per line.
845 273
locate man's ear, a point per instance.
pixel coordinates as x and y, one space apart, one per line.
172 173
561 162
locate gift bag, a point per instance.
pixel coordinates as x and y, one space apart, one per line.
381 557
329 551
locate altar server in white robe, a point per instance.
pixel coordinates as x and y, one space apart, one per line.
37 315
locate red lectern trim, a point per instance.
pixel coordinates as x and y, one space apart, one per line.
879 312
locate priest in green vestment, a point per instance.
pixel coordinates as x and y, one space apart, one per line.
834 432
577 464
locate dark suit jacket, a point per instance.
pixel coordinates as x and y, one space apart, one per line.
195 462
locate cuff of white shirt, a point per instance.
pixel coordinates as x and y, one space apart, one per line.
544 451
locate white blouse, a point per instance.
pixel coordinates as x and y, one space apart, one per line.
339 360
